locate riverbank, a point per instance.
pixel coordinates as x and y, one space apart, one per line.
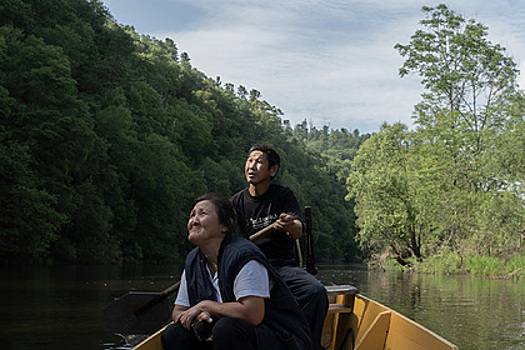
454 264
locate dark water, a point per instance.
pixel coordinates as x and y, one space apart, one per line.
61 307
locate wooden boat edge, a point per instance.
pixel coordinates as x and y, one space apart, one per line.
401 333
373 329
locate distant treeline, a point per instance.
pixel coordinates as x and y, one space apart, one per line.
106 137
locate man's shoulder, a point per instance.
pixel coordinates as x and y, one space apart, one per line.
238 195
281 189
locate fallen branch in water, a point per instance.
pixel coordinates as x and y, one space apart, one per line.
509 275
515 272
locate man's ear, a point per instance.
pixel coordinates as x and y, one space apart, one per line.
274 169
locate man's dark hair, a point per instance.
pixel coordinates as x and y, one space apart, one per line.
271 154
224 209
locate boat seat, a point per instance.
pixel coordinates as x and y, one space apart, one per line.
341 300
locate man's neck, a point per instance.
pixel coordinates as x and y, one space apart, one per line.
259 189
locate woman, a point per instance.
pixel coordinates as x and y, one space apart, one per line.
228 282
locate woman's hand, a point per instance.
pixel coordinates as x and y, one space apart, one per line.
188 317
249 309
193 315
204 316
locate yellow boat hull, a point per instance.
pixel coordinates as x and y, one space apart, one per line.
355 322
359 323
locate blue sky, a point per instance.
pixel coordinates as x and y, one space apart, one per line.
331 62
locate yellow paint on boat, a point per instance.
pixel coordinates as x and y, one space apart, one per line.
355 322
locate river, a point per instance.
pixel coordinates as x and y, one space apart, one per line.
46 308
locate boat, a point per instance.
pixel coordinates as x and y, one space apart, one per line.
355 322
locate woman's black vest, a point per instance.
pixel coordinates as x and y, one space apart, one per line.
282 315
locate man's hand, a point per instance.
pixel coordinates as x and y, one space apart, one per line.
289 224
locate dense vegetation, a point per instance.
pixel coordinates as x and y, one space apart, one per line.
106 136
452 188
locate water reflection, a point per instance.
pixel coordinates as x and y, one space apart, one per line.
61 307
473 313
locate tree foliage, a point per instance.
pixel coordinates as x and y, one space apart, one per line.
455 183
106 136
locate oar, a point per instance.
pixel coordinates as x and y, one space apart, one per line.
269 229
262 232
310 258
139 312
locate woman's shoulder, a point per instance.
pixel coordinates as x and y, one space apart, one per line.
241 243
242 247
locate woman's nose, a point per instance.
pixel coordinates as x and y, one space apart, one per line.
194 221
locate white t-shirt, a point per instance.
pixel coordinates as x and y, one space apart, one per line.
252 280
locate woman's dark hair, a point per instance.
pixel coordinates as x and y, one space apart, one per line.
271 154
224 209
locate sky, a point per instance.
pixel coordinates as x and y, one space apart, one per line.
330 62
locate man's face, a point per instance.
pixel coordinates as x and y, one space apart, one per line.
257 168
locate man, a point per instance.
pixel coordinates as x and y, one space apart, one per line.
263 203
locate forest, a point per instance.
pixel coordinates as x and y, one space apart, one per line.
107 136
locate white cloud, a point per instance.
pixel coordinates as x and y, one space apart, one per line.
330 62
301 63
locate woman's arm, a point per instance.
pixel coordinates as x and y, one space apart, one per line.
177 312
251 287
249 309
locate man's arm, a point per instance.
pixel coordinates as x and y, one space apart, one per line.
290 220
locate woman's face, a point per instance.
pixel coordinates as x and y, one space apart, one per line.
204 224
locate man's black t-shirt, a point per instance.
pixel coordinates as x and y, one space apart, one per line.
255 213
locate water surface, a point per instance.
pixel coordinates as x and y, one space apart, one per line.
472 312
61 307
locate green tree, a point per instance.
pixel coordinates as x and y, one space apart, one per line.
439 186
455 183
29 223
469 82
385 191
